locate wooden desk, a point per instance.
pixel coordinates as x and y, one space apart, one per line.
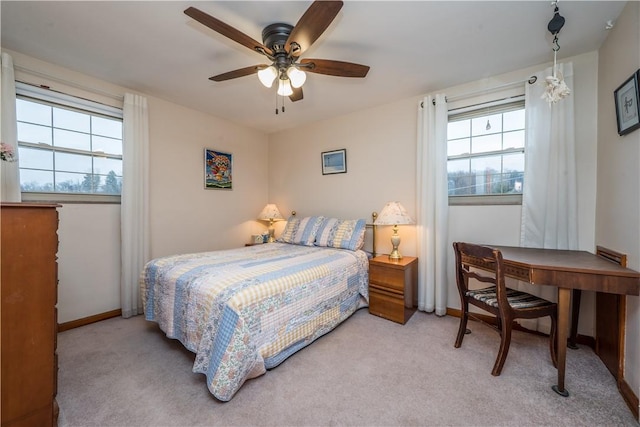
566 270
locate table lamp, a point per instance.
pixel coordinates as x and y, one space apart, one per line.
270 213
393 213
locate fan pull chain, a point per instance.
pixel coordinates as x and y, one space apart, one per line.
277 104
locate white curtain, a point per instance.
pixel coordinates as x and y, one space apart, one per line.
9 171
135 201
549 199
432 205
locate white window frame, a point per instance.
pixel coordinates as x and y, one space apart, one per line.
54 98
481 109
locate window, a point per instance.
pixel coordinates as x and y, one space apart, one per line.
67 145
485 153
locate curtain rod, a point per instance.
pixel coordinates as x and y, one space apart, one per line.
68 83
531 80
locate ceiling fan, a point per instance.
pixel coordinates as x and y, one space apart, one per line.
283 44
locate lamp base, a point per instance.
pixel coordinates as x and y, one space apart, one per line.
271 238
395 255
395 242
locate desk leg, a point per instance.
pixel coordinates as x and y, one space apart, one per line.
564 296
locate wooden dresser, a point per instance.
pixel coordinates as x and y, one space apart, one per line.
29 243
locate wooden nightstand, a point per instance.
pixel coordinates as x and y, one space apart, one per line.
393 288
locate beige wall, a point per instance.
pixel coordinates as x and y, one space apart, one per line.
618 196
380 146
184 216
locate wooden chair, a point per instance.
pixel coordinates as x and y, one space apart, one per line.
505 303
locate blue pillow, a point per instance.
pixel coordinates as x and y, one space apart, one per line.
301 231
341 233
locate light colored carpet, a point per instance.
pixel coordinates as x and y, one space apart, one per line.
367 372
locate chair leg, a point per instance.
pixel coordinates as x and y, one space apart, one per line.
464 316
505 342
553 342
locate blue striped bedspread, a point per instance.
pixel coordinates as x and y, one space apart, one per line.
243 311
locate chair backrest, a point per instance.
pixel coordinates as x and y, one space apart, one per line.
482 257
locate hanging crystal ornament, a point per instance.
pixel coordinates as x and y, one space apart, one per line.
556 88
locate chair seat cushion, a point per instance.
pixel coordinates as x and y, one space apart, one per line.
517 299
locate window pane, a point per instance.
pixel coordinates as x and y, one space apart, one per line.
74 182
461 184
461 165
68 139
112 184
106 127
487 124
459 146
35 180
34 158
103 165
35 134
459 129
73 163
72 120
513 120
486 164
483 144
106 145
513 139
513 162
33 112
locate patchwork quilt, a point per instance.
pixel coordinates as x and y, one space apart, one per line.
243 311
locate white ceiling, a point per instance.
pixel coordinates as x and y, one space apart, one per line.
412 48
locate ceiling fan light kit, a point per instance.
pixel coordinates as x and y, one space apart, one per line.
283 45
296 76
268 75
284 87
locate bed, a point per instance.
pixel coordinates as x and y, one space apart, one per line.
244 311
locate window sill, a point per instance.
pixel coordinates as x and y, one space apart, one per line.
70 198
502 199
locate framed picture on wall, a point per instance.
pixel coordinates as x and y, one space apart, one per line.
334 162
627 109
218 170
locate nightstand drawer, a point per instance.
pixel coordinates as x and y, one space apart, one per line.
388 277
389 305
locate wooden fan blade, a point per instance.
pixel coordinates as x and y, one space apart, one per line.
334 68
311 25
227 30
246 71
296 95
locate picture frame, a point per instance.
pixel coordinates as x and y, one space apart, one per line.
627 97
218 170
334 162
